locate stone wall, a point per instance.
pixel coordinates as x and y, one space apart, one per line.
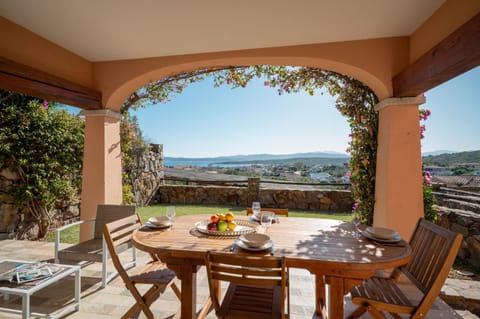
468 224
13 219
242 196
149 175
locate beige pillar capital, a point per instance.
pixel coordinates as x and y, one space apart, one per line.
102 113
399 101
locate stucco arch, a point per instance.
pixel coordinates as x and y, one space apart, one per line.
367 62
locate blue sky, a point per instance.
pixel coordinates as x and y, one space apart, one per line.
205 121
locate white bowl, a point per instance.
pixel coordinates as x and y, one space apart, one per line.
382 233
159 221
255 239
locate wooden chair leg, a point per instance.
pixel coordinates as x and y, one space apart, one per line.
177 291
375 313
143 302
357 313
395 315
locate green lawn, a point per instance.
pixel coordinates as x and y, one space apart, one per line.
71 235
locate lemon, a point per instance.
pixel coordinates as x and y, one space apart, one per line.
231 225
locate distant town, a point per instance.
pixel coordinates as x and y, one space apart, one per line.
317 167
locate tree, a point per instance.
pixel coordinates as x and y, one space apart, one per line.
354 100
44 146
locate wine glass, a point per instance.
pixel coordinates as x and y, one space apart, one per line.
256 208
356 221
266 219
171 212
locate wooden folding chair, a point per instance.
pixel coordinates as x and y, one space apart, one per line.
277 211
258 285
94 250
433 252
155 273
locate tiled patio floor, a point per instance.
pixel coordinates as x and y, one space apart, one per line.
114 300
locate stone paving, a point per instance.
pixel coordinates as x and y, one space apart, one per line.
114 300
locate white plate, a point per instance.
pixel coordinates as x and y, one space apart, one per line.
243 227
265 246
160 221
254 239
395 239
153 226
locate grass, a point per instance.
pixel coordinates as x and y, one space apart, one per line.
71 235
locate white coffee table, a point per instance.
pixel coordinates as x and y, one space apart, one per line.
25 290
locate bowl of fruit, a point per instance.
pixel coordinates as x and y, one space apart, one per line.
225 224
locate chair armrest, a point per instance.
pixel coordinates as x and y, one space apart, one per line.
58 230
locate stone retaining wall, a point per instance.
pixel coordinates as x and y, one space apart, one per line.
242 196
467 224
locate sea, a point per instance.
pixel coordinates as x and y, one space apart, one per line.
201 163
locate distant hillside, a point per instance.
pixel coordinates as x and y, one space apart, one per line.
451 159
258 157
310 161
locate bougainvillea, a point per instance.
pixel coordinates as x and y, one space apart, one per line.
43 144
429 200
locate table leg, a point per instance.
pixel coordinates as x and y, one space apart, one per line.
78 288
26 306
189 291
320 296
335 308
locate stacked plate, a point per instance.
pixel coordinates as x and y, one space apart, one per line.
254 242
158 222
382 234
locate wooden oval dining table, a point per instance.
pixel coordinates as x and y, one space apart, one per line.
326 248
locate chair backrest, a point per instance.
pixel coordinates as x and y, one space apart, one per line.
246 270
434 250
109 213
277 211
118 233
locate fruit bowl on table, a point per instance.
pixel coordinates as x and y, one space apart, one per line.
242 227
254 239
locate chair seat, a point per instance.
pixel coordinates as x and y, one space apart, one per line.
383 294
246 301
89 250
153 273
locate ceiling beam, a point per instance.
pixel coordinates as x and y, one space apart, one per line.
24 79
454 55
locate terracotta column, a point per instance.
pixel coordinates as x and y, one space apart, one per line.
398 188
102 167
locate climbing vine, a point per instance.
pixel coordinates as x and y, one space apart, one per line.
353 99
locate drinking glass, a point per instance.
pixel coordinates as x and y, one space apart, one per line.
256 208
266 219
356 221
171 212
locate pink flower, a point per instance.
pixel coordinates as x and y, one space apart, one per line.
355 206
348 174
427 178
45 104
